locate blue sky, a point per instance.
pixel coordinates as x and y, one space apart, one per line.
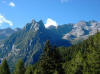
16 13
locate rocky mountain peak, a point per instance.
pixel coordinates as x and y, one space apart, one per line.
34 26
41 24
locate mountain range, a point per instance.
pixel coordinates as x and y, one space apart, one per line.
27 43
5 33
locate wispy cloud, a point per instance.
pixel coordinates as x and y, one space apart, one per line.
4 20
12 4
64 1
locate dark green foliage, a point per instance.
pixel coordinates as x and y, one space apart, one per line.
83 58
20 69
47 64
29 70
4 68
50 61
58 60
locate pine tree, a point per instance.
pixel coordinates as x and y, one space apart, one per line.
20 69
47 64
58 60
29 70
4 68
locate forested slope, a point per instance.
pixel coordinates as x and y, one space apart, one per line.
83 58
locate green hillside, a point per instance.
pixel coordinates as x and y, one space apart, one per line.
83 58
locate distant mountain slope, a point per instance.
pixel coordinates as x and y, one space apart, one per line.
5 33
76 32
82 30
29 42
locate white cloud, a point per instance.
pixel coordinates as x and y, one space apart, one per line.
4 20
50 22
12 4
63 1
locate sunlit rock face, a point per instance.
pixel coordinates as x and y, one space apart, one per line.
83 29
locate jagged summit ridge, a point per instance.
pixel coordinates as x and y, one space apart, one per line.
34 26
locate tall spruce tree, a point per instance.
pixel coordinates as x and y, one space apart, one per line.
58 60
4 68
29 70
20 69
47 64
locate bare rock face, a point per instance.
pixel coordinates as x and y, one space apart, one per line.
82 29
